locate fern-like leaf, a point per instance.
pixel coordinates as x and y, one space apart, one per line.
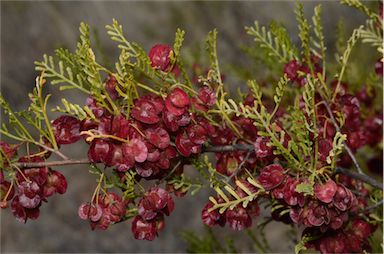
232 199
304 29
60 75
275 41
372 34
320 42
75 110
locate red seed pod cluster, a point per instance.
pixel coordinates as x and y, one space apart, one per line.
158 132
155 134
361 129
106 210
33 187
146 137
328 208
296 71
353 238
156 203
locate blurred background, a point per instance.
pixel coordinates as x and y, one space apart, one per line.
31 28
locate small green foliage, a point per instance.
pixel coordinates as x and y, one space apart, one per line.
59 75
87 60
299 129
39 108
213 59
372 34
69 59
263 119
208 172
300 246
230 202
281 35
179 38
75 110
309 99
337 148
184 184
128 186
21 132
306 188
132 54
36 117
276 41
303 31
279 91
343 60
318 29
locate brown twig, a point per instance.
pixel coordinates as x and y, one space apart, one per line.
170 173
57 152
362 177
229 148
24 165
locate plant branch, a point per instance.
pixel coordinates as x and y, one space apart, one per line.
371 207
237 171
57 152
227 148
171 172
361 177
349 151
24 165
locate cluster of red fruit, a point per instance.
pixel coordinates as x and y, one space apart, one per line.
328 211
326 214
162 132
352 236
361 129
33 187
107 209
159 134
151 210
296 71
351 239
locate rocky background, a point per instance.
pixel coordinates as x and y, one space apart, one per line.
30 29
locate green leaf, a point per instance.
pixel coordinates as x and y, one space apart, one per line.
300 246
306 188
276 41
213 59
337 148
318 29
57 74
303 30
372 34
179 38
